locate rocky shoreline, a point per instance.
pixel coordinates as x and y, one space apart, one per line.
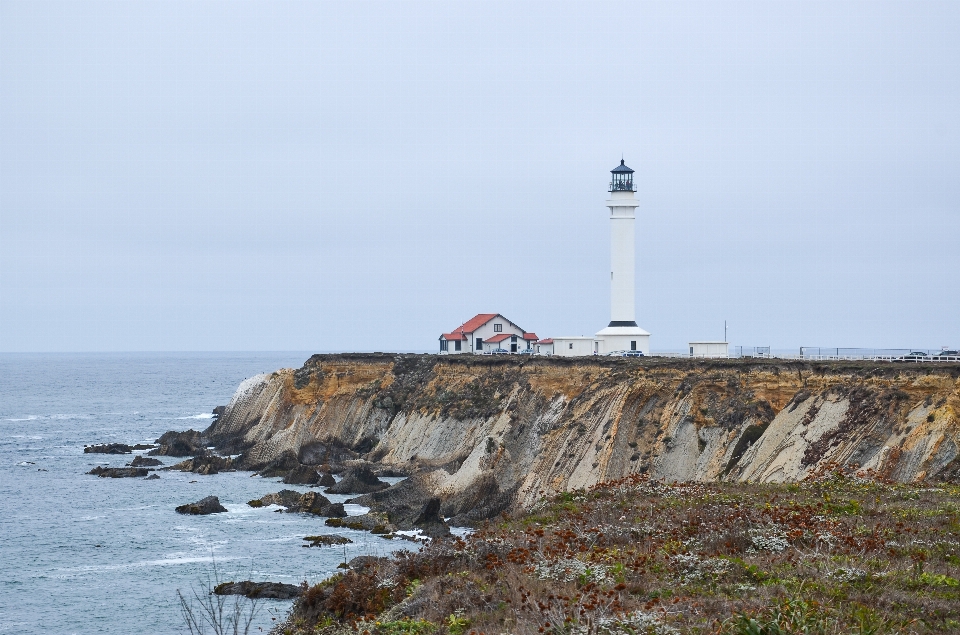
478 439
481 436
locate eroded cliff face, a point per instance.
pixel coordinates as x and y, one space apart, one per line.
506 429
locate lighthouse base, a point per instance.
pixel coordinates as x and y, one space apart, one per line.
621 338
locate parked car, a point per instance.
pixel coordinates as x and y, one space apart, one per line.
526 351
914 356
633 353
616 353
499 351
947 354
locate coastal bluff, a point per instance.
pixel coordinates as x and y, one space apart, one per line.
487 434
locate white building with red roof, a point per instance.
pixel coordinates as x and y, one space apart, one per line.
487 332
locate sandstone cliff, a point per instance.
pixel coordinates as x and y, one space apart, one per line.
498 432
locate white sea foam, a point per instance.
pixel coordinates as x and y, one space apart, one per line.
205 415
27 418
355 510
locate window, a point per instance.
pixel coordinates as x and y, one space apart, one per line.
479 343
443 344
633 345
691 350
498 328
513 339
571 346
456 345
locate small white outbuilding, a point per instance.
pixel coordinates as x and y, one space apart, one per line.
709 349
573 346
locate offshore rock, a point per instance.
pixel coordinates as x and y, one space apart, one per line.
281 465
430 520
406 504
326 480
118 472
492 434
326 540
374 522
108 448
172 443
359 479
261 590
205 464
303 475
143 461
204 506
309 503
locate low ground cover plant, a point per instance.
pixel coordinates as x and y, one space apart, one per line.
838 553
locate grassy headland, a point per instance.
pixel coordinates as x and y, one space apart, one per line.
836 553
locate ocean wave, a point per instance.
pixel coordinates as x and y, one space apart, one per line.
27 418
205 415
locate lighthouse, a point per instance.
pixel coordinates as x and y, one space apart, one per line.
622 334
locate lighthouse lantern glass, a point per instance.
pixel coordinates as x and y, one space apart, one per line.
622 180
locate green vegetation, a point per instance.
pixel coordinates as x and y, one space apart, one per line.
837 554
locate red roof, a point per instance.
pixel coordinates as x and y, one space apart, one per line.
549 340
476 322
471 325
498 338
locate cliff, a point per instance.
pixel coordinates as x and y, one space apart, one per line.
493 433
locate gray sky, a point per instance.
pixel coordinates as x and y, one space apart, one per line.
363 176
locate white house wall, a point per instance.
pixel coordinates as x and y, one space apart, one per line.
486 331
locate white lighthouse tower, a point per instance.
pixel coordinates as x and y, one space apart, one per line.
622 334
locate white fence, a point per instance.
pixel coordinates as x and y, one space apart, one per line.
819 354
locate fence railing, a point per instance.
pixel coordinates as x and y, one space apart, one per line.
820 353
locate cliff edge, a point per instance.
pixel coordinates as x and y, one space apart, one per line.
488 434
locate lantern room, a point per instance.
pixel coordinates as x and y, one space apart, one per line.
622 180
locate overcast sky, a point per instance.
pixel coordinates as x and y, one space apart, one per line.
363 176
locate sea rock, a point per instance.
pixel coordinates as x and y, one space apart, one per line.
358 480
430 521
326 480
152 477
374 522
302 475
173 443
118 472
409 505
144 461
326 454
205 463
204 506
108 448
327 540
280 466
309 503
261 590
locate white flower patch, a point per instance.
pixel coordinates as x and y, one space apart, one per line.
769 539
692 567
848 574
570 569
634 624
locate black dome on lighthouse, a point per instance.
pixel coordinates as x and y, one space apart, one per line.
621 169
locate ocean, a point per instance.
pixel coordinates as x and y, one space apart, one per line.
81 554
